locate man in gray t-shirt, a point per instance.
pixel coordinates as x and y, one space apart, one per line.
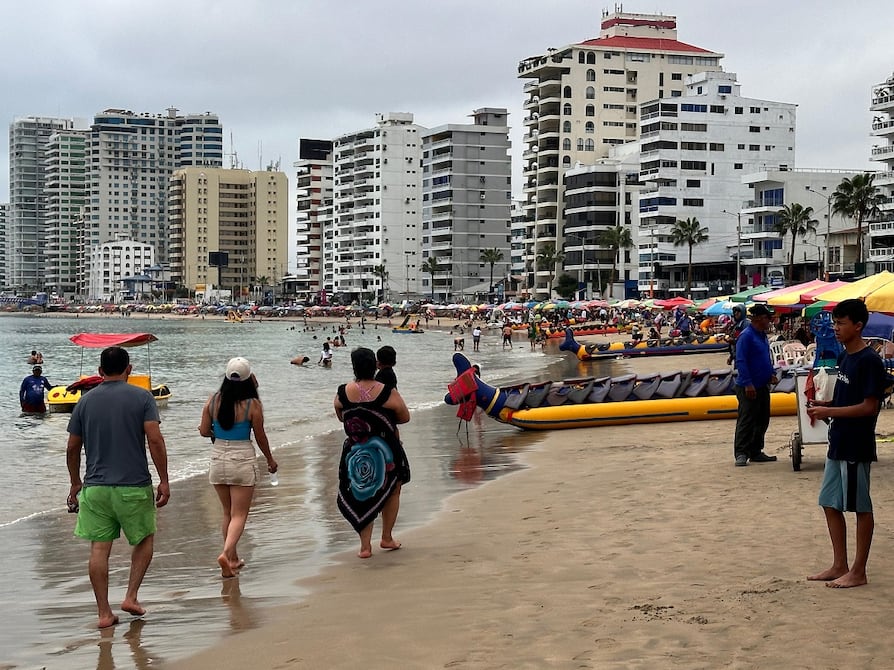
113 424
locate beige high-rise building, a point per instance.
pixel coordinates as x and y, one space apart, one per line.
239 212
581 100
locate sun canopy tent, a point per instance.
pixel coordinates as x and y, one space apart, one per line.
882 299
790 295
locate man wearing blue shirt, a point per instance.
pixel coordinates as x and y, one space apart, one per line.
755 376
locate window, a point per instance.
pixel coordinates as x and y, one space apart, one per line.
591 75
591 110
566 144
566 109
566 126
590 127
694 127
580 144
716 146
581 57
754 110
741 146
590 145
676 94
693 146
718 109
737 166
676 76
693 183
693 165
754 129
739 110
566 92
591 58
700 90
724 89
612 89
591 93
566 160
754 147
686 107
693 202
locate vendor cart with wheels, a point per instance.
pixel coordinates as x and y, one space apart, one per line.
809 432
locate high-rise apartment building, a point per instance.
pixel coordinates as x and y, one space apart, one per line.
239 212
583 99
881 233
131 158
28 138
64 189
601 197
314 188
694 151
372 246
4 214
466 203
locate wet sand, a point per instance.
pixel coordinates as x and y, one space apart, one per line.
627 546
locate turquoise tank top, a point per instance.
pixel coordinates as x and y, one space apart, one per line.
241 430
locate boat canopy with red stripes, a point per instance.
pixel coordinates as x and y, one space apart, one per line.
103 340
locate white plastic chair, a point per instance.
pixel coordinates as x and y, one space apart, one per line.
793 353
777 355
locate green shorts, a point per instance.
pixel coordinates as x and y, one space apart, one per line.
107 510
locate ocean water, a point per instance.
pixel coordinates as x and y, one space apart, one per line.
294 529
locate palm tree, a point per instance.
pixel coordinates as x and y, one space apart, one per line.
858 198
381 274
432 267
688 233
491 257
615 238
795 219
547 259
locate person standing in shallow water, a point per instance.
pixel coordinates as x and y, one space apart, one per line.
113 424
373 465
229 418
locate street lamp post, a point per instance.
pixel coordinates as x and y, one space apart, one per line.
738 216
580 269
828 199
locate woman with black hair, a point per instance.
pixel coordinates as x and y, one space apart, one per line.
373 464
229 418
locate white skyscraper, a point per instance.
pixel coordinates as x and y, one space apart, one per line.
881 233
377 211
26 226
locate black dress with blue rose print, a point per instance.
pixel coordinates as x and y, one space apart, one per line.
373 461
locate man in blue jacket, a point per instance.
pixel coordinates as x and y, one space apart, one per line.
755 376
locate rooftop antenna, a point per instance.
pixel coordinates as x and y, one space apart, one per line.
234 158
260 154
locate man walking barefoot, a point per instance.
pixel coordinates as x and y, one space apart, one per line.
113 423
859 390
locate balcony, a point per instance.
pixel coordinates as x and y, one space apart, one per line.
881 254
881 229
762 258
883 127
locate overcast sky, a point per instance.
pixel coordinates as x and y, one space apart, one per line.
278 70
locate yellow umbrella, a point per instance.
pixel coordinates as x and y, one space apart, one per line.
882 299
858 289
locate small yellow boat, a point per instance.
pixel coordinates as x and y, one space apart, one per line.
62 399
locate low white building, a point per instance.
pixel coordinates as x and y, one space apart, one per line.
111 263
765 252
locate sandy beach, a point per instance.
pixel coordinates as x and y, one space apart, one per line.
622 547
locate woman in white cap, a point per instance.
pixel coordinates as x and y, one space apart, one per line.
229 418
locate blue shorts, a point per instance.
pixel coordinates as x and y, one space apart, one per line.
846 486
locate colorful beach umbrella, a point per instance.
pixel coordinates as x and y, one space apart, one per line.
721 307
857 289
670 303
789 295
748 294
